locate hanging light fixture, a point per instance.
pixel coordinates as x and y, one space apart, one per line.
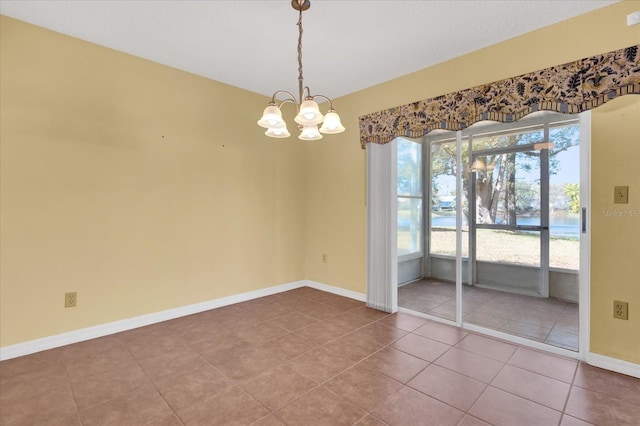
478 166
308 113
543 145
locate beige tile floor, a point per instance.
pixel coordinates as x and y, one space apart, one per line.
544 320
306 357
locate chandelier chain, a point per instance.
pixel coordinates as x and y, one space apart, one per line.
300 78
308 116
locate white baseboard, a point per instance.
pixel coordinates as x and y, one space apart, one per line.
80 335
335 290
101 330
50 342
614 364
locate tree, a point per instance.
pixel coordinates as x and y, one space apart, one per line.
496 186
572 190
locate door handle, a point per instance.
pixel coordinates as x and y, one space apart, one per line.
584 220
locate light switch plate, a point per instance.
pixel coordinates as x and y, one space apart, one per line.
620 194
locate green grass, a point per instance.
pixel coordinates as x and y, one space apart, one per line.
506 247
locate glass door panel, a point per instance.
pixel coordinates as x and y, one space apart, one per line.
524 234
514 189
564 201
435 293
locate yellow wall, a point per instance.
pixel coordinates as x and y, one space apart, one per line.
335 166
615 245
139 186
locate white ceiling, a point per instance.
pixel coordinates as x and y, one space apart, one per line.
347 45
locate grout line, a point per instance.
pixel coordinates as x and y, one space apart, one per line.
512 318
571 386
176 334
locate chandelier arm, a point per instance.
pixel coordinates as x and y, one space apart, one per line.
290 100
293 98
300 78
325 98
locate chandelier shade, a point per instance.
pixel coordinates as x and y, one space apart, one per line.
331 124
308 115
278 133
272 118
310 133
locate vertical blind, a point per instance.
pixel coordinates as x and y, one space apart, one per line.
382 274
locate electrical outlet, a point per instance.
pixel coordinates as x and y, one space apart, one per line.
620 194
70 299
620 310
324 258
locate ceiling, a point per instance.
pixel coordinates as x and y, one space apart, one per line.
347 45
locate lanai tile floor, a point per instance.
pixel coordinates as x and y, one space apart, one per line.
306 357
549 321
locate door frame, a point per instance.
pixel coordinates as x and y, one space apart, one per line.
584 276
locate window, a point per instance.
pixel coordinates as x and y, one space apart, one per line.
410 199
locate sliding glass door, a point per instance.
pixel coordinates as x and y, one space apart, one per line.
501 229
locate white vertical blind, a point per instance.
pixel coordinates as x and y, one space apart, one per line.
459 202
382 222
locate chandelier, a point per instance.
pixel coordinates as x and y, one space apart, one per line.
308 113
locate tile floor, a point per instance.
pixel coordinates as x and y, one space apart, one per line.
544 320
307 357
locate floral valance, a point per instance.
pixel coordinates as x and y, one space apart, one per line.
570 88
